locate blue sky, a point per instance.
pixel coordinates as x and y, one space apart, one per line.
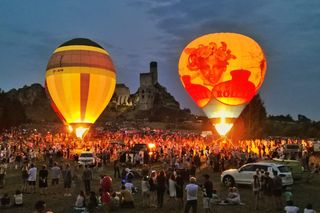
136 32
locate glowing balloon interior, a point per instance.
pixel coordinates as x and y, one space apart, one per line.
80 80
222 72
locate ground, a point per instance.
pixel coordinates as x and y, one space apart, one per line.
304 190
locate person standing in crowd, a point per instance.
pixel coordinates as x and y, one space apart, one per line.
55 174
153 188
116 168
145 190
67 180
172 190
268 187
207 193
32 177
3 169
87 177
197 161
161 188
256 188
43 179
192 195
24 176
179 189
277 190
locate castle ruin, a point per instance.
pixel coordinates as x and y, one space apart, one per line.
147 90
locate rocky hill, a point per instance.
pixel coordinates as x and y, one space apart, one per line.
37 108
35 102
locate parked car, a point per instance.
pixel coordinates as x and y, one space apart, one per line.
87 158
295 166
244 175
138 147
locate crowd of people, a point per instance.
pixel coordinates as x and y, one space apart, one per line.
181 154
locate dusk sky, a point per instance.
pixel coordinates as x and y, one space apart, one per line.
136 32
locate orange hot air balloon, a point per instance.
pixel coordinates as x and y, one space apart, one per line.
80 79
222 72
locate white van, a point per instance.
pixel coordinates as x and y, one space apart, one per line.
87 158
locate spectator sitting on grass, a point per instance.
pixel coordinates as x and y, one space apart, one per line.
81 200
233 196
309 209
290 208
93 202
129 185
288 194
126 198
114 203
18 198
40 207
215 197
5 200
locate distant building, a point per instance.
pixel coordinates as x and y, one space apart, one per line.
149 93
122 95
147 90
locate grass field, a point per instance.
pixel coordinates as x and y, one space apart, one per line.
303 192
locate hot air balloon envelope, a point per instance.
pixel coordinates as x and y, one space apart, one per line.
80 80
222 72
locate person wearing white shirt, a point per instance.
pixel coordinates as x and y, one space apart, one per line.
192 195
309 209
129 186
32 172
18 198
145 190
290 208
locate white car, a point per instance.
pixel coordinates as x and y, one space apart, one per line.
244 175
87 158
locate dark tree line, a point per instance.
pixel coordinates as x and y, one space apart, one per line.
254 123
12 113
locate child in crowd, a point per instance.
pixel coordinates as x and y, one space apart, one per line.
290 208
309 209
18 198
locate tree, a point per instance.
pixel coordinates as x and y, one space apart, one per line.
304 119
251 122
12 113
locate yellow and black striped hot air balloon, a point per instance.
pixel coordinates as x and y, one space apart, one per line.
80 80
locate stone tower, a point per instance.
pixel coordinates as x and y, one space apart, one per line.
154 71
147 88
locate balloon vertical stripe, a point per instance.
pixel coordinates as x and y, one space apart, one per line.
84 92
